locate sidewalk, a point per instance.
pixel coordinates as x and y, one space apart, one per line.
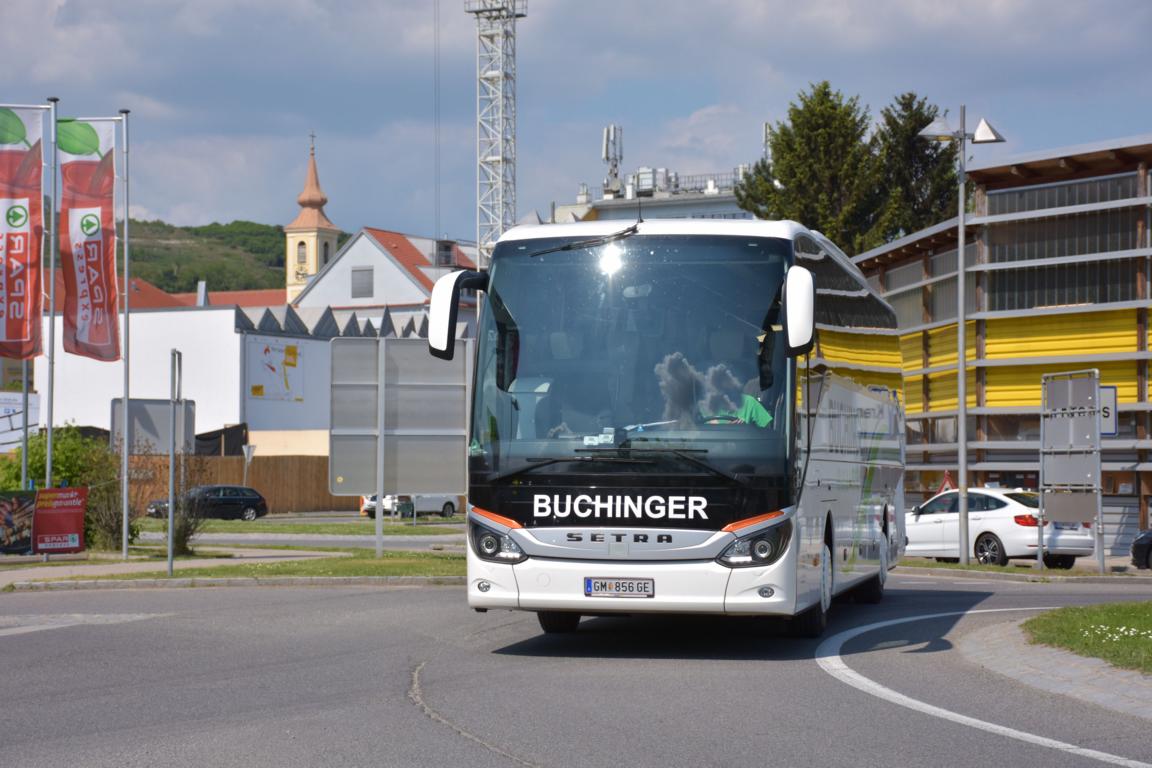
97 568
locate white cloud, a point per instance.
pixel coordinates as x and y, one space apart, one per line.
146 107
223 93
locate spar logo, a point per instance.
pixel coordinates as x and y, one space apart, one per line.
90 224
16 216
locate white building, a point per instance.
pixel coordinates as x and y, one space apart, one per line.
251 358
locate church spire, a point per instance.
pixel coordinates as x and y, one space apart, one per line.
312 200
310 240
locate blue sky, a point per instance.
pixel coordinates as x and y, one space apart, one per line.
224 93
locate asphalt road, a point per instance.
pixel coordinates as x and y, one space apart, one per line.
370 676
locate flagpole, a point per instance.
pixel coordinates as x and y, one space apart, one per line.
124 447
54 245
24 437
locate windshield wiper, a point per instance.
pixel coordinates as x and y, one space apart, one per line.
548 460
682 453
594 242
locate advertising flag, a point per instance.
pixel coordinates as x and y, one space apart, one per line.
88 238
21 230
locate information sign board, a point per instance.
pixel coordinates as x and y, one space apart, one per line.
397 409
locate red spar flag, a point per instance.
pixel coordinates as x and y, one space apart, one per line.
21 228
88 238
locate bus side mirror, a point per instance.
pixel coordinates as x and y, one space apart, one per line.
799 311
444 307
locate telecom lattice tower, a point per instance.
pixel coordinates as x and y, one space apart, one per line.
495 118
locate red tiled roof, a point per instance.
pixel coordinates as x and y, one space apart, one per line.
404 252
462 258
263 297
402 249
144 295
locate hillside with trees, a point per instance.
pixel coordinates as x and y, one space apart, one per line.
229 257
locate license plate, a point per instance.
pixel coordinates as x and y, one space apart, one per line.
605 587
1067 526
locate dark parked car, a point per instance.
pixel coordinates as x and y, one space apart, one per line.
1142 550
224 501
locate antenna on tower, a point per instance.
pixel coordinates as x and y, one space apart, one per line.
612 152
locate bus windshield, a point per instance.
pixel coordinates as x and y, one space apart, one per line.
644 354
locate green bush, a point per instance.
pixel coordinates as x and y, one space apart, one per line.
77 461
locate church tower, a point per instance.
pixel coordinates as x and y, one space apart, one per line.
310 240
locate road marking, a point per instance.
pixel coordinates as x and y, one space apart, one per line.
20 624
829 659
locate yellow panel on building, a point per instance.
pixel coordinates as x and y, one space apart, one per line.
1049 335
1019 385
914 394
942 390
911 350
859 348
942 345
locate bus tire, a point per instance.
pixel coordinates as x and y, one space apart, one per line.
872 591
813 622
558 622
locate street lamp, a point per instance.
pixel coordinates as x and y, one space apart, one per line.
939 130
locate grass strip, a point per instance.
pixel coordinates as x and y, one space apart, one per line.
364 527
1118 633
355 563
136 554
1012 567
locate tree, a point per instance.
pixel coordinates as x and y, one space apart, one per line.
822 171
919 175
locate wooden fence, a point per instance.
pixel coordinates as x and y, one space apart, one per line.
289 483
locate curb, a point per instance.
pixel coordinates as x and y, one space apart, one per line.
274 581
1005 649
1118 578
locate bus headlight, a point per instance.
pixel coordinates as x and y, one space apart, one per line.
495 547
761 548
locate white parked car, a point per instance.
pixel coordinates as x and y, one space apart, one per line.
1001 526
445 506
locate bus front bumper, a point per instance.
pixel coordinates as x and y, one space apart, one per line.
707 587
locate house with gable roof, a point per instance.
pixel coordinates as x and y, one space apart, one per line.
388 276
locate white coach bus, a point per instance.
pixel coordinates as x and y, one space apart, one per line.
681 416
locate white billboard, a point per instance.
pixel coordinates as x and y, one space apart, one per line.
275 369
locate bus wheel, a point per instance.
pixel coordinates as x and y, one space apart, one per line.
814 621
558 622
872 591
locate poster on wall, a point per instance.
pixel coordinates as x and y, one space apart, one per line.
16 511
274 370
58 524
